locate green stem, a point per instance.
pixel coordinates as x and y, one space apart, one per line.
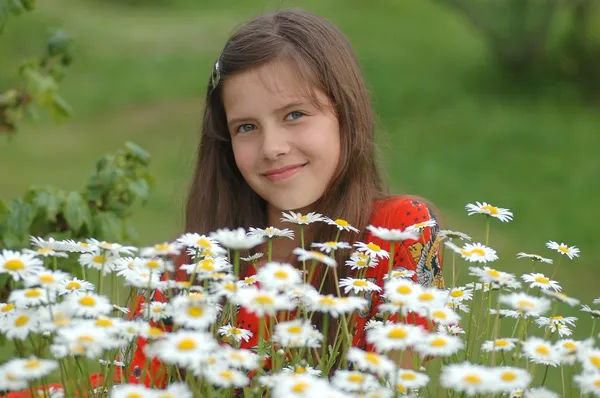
269 249
391 259
304 276
324 347
487 230
593 328
453 270
545 374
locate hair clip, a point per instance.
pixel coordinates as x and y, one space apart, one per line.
216 75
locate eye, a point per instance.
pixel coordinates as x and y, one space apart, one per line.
294 115
244 128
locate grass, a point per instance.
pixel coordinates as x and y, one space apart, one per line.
454 133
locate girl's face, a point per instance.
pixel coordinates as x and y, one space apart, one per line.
286 147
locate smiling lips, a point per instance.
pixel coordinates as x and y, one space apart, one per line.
283 172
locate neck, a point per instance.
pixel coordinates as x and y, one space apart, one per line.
283 247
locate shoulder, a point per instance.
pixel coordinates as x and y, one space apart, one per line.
401 211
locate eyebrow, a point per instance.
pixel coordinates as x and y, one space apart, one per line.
278 110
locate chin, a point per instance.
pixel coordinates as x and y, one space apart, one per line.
292 204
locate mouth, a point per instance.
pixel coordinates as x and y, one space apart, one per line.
284 172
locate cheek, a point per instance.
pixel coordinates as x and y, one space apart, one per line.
243 156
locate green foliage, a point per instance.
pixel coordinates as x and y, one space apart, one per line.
101 210
39 78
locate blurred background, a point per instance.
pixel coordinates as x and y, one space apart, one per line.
493 101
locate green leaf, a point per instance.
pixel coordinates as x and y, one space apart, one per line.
50 200
77 212
140 188
107 226
59 108
4 210
138 152
20 217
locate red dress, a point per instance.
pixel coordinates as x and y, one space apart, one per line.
421 256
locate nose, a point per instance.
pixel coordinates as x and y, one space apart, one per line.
275 142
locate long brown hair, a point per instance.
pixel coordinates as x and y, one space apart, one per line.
322 56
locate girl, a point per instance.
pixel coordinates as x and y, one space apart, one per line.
288 125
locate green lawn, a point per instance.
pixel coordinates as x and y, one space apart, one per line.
453 136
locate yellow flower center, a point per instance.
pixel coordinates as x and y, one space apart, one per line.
595 360
249 280
569 346
157 309
73 285
479 252
203 242
342 223
525 304
408 376
360 283
44 250
98 259
33 364
152 264
104 322
404 289
361 263
7 307
373 358
295 329
563 249
400 388
543 350
597 383
85 338
426 296
264 299
237 356
300 370
493 273
500 343
195 311
134 395
472 378
373 247
397 333
155 332
14 265
226 374
301 386
493 210
327 300
280 274
508 376
439 314
33 293
230 286
186 344
457 293
438 342
234 331
21 320
207 264
543 280
87 301
356 378
161 247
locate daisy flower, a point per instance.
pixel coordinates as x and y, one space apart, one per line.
372 250
130 391
297 333
88 305
466 377
47 244
6 309
526 304
262 302
421 225
541 392
194 311
206 267
491 275
401 289
328 247
225 287
305 255
80 341
557 323
588 383
19 324
116 249
236 239
590 359
561 297
358 261
534 257
443 316
156 310
438 345
45 252
74 286
334 306
460 294
358 285
510 378
541 351
429 298
9 381
18 265
31 297
399 272
47 279
450 329
352 381
31 368
502 344
411 379
300 219
541 281
446 234
234 333
570 252
271 232
474 252
161 249
303 385
393 235
182 347
340 224
303 370
239 358
593 313
596 300
248 281
72 246
279 276
253 258
174 390
370 361
224 377
98 259
501 214
394 337
568 350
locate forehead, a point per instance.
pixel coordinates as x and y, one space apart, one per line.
265 88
